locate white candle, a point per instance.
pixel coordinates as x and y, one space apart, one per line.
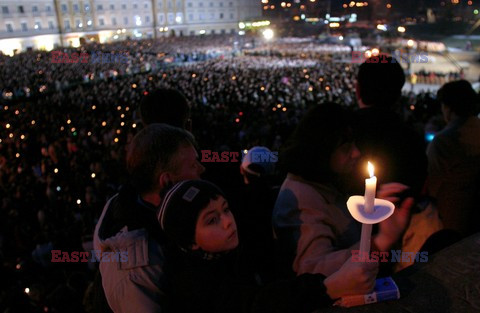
370 190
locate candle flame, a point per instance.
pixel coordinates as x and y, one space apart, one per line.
370 169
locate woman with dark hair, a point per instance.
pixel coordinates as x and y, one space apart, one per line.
454 159
316 233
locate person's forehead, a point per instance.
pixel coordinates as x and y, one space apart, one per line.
186 150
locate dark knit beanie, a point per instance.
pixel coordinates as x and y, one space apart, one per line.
181 207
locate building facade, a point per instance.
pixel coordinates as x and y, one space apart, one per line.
46 24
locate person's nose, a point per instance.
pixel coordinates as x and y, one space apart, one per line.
200 168
227 220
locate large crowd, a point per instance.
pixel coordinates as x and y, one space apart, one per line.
64 128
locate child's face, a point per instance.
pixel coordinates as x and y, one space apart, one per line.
216 230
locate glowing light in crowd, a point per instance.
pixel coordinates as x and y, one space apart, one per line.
7 126
93 175
33 122
134 125
104 123
115 140
27 290
382 27
69 121
401 29
119 108
55 170
94 107
268 34
375 52
79 201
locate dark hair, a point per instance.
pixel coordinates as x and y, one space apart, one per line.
380 83
152 152
308 151
167 106
181 206
460 97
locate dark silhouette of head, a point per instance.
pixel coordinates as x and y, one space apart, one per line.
307 153
168 106
459 97
380 82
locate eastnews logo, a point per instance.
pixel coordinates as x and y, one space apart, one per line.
234 156
359 57
59 256
397 256
95 57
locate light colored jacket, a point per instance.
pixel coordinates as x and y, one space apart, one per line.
135 285
312 220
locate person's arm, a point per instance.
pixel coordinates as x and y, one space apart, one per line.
437 165
316 252
137 293
302 294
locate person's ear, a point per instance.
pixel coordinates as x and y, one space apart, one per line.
447 113
165 180
357 95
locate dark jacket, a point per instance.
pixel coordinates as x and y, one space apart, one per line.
222 285
129 225
396 150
